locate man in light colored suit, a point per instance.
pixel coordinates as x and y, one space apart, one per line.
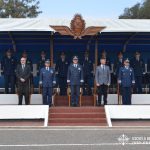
103 79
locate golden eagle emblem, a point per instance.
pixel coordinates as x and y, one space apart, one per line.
78 28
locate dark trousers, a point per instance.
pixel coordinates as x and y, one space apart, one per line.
75 93
47 95
9 80
23 90
102 91
63 85
138 85
126 95
87 85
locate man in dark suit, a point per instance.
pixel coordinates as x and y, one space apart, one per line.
75 79
47 81
29 62
103 79
61 69
23 73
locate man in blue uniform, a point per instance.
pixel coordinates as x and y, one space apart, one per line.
138 65
126 80
8 66
75 80
61 69
47 81
88 74
41 63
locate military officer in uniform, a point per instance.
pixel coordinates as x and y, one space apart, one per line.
61 69
47 81
103 80
126 80
138 65
23 73
8 65
41 63
88 74
75 80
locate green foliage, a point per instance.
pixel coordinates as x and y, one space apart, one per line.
19 8
138 11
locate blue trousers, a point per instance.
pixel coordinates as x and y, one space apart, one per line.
47 95
126 95
75 93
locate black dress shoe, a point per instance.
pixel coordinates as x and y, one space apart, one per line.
98 104
72 105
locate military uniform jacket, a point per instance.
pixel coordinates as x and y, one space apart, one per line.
126 77
87 67
62 68
47 77
75 75
8 65
138 67
117 65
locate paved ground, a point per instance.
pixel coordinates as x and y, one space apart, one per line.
74 138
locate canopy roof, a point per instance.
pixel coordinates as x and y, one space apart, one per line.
113 25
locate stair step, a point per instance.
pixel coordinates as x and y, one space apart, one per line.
76 109
77 120
77 115
78 124
63 100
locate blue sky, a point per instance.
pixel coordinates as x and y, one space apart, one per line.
88 8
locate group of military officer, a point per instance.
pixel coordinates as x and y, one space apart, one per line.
75 75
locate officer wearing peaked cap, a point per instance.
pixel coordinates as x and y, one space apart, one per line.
126 80
88 74
138 65
62 68
75 79
8 65
47 81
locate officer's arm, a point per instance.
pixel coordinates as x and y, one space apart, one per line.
119 77
54 78
143 67
40 80
81 80
133 78
68 75
2 64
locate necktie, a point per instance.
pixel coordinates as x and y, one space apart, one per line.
23 67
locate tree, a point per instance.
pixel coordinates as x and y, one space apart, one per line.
19 8
138 11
